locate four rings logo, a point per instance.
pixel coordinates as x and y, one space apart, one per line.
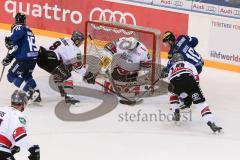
113 16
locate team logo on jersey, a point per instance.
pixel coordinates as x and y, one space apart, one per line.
22 120
196 97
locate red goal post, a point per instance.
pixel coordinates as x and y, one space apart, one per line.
99 33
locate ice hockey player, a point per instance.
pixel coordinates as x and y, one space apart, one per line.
13 134
185 45
130 56
183 77
22 45
60 59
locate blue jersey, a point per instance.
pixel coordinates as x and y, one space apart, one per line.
185 45
24 39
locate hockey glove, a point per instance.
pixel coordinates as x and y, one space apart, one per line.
7 60
8 43
164 72
34 153
90 78
15 149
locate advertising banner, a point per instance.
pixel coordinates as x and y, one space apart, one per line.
223 41
66 16
180 4
218 41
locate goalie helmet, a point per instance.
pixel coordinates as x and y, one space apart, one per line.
177 57
20 18
77 38
132 43
19 98
168 36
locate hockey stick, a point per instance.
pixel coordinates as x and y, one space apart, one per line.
3 69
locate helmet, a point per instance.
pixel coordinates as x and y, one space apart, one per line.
19 98
177 57
132 43
168 36
77 37
20 18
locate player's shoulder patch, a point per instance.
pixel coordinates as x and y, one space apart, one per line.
22 120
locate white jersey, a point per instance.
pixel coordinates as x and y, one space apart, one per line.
68 53
66 50
12 129
182 67
130 60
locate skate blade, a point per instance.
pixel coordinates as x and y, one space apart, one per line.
221 132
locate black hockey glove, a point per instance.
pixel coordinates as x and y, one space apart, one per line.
15 149
7 60
170 88
61 73
164 72
34 153
8 43
90 78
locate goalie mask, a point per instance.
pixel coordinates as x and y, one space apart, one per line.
77 38
132 43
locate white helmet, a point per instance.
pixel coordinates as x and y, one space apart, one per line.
133 42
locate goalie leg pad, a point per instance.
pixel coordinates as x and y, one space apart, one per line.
124 78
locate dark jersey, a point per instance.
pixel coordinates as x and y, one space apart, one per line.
185 45
24 39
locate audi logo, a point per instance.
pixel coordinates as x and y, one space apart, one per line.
211 8
178 3
236 12
112 16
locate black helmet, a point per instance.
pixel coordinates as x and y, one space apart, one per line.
177 57
77 36
20 18
168 36
19 97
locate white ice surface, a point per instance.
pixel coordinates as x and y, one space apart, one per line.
106 138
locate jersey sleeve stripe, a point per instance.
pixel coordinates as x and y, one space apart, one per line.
21 137
4 141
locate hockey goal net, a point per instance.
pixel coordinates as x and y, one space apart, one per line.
99 33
